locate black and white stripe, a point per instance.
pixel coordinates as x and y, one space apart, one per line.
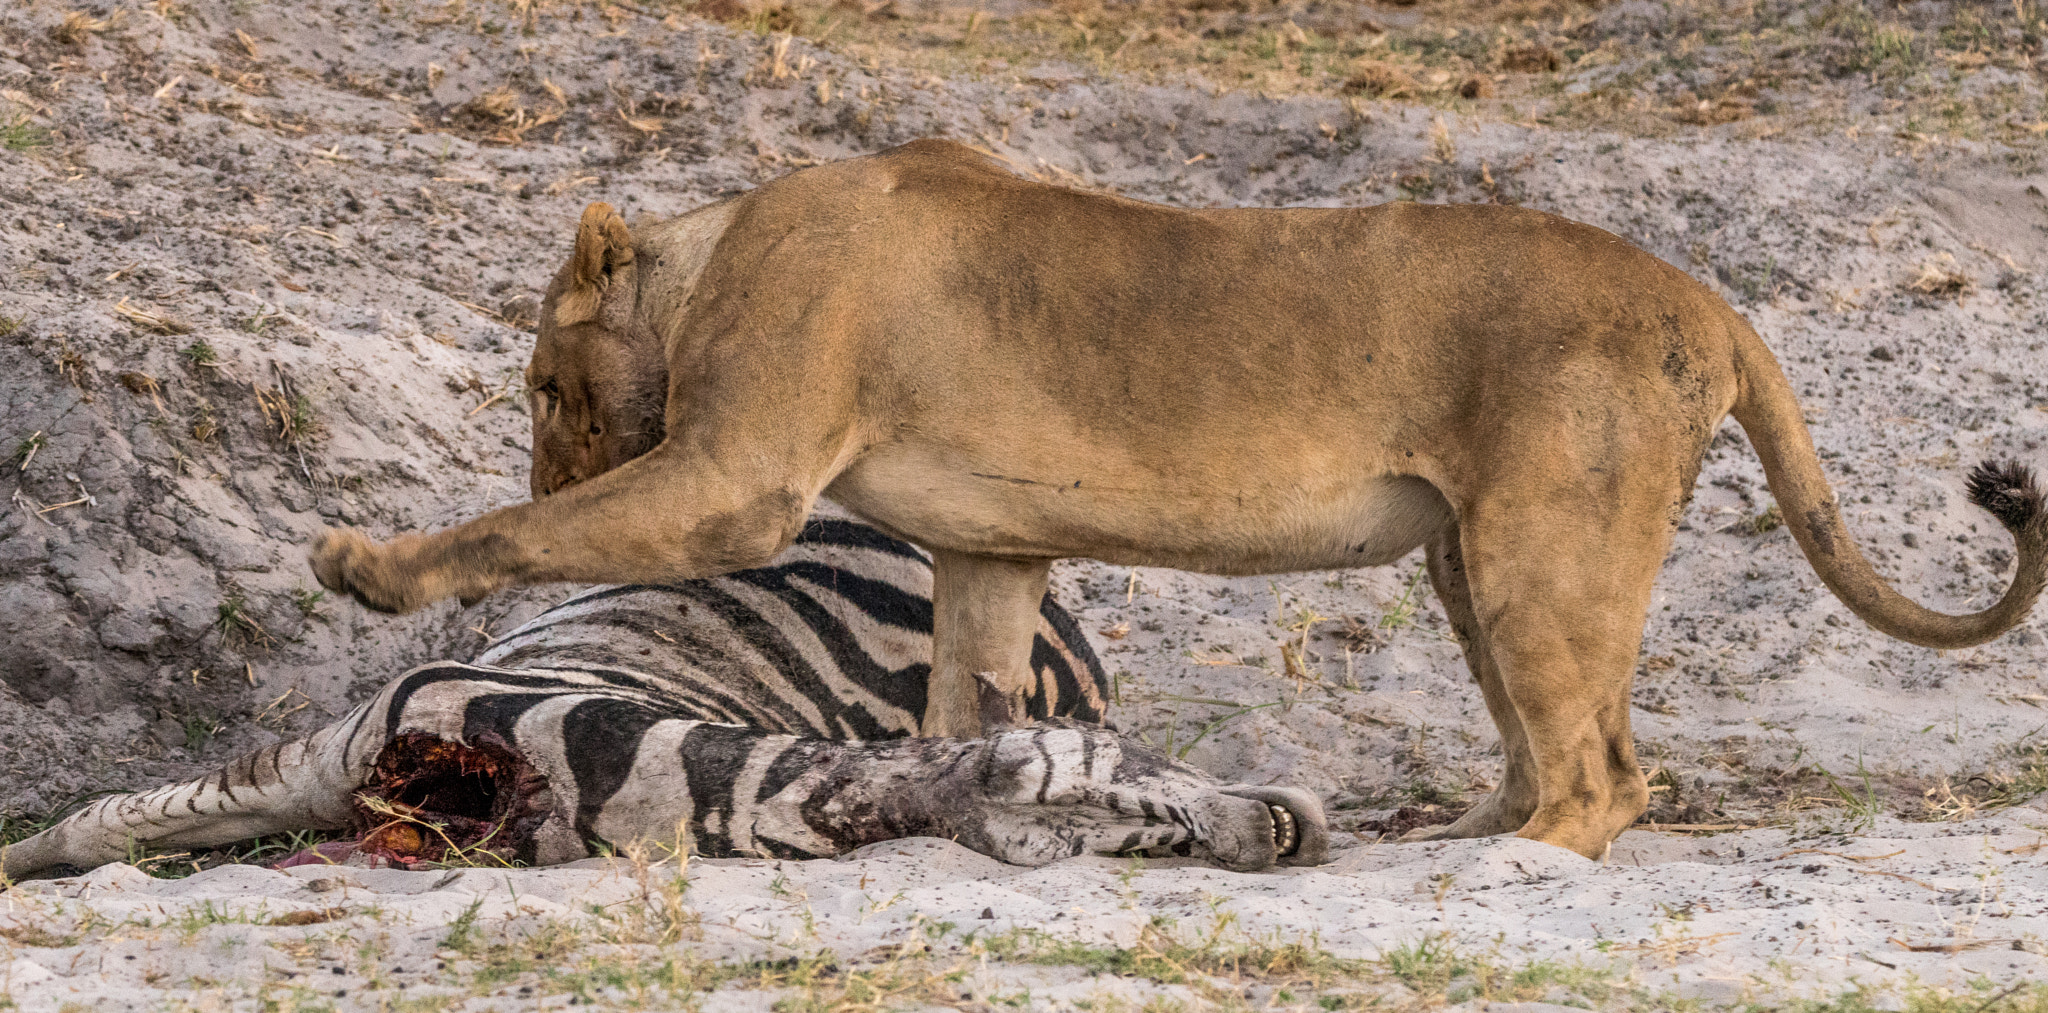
766 712
832 639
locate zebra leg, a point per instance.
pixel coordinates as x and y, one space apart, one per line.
303 784
1027 797
1049 792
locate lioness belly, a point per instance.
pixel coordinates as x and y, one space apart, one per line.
1274 529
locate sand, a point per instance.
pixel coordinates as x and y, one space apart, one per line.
1756 916
350 229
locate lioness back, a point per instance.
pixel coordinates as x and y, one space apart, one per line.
1151 352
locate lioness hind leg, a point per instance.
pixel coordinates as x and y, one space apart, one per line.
1509 806
1563 617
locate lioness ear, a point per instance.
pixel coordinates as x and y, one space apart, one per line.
603 247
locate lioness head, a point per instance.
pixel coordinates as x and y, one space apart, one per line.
598 381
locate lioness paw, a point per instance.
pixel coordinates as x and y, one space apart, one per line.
344 560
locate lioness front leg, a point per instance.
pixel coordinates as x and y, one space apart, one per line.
984 614
663 517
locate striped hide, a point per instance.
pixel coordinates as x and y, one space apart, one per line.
762 713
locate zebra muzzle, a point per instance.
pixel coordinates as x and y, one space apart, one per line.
1286 836
1301 835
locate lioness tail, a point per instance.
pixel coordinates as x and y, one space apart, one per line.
1770 415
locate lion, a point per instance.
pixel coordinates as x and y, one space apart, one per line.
1009 373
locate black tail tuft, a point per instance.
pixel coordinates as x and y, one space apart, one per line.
2008 490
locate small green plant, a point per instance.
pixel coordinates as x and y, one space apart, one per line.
272 847
1428 963
199 731
1865 807
37 936
1402 612
199 353
25 451
10 326
1181 752
1889 44
308 600
1769 520
1163 957
2031 778
192 920
292 414
300 415
21 135
461 935
234 622
176 865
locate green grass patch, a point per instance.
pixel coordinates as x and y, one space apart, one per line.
21 135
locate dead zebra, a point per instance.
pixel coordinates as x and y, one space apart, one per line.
760 713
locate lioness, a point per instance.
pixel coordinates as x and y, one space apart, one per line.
1007 373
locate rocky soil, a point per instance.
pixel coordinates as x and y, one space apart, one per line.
266 267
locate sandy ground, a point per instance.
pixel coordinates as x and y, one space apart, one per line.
1761 916
341 212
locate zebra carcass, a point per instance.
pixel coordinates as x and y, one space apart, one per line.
761 713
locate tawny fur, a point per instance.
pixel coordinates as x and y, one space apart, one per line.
1008 373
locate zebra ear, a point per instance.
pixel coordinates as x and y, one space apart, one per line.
1000 710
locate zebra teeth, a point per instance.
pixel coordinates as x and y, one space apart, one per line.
1286 836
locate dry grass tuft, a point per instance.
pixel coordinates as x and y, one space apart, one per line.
1380 79
143 384
152 320
723 10
1536 59
238 628
503 112
1713 112
500 103
1940 277
1441 146
77 27
72 366
205 423
291 413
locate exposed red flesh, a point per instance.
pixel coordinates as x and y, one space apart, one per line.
438 797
